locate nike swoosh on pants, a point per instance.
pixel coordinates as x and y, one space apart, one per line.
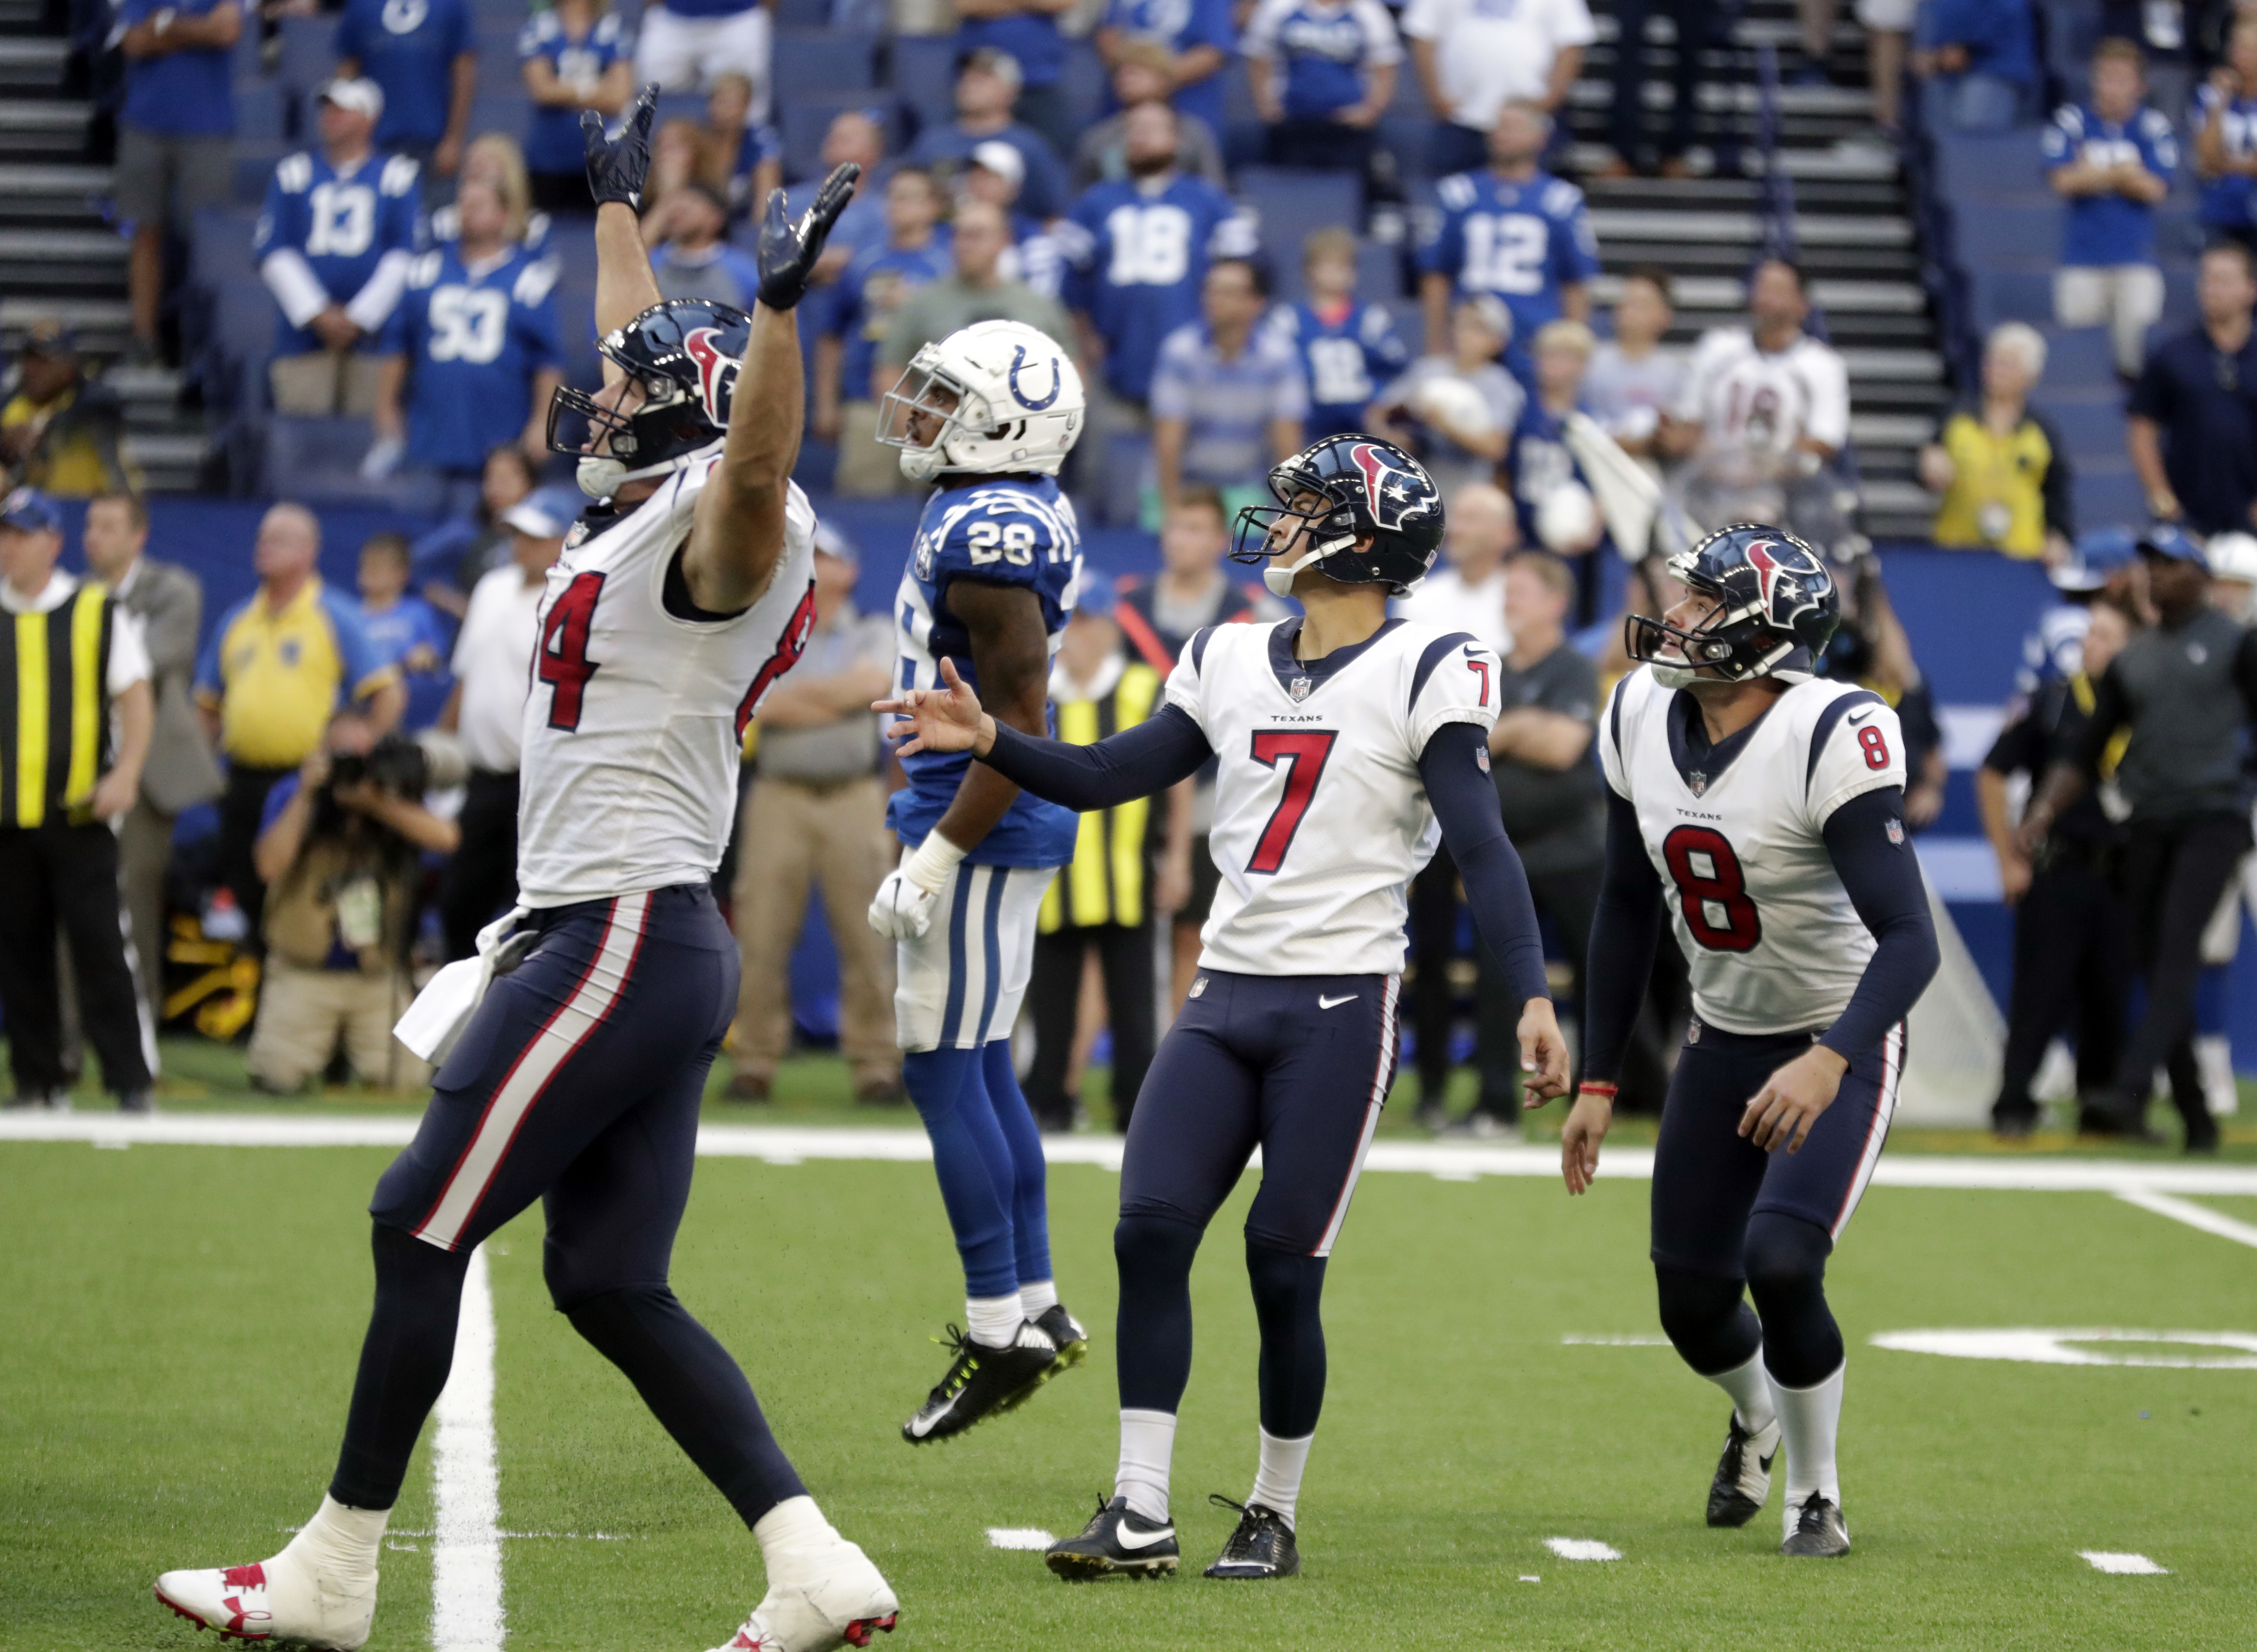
1324 1003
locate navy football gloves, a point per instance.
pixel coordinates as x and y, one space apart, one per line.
788 250
617 165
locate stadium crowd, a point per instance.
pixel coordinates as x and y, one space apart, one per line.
360 746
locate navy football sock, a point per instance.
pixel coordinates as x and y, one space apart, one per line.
404 1361
1030 1219
696 1391
1288 1287
973 1161
1786 1275
1153 1336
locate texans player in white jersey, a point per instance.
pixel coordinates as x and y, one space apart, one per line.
989 412
1762 810
678 600
1350 744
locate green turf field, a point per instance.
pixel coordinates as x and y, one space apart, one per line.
184 1321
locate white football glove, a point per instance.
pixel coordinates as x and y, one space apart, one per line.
903 908
902 912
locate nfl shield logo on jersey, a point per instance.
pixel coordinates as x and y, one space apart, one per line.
1301 688
1896 829
1697 781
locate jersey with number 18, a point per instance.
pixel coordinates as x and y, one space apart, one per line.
638 701
1737 831
1320 817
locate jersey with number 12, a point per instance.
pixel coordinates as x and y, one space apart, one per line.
637 707
1320 818
1737 832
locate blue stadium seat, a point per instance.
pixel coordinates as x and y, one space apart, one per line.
219 248
2009 237
678 106
924 76
254 166
802 14
2004 168
319 459
259 112
2078 358
1292 203
2109 493
308 53
1083 81
2010 295
825 60
505 109
2089 429
250 57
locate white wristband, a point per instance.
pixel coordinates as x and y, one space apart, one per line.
933 864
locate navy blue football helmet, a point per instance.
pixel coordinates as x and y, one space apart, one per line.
1371 490
685 353
1776 606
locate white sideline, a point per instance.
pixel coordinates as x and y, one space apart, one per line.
466 1611
2199 1215
786 1144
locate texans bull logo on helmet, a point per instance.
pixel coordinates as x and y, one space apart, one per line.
1395 494
717 371
1790 580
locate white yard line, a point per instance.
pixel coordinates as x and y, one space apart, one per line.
466 1610
1581 1548
2199 1215
781 1144
2122 1564
1019 1537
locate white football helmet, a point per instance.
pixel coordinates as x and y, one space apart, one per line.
1008 397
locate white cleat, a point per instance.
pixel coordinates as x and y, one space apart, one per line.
835 1597
288 1601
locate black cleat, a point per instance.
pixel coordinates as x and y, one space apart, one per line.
1261 1547
981 1381
1819 1532
1743 1473
1117 1542
1063 1329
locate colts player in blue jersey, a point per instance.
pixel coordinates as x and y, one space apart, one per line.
1137 250
1514 231
475 342
989 412
1348 349
340 225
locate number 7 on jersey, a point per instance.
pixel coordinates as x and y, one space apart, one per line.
1306 750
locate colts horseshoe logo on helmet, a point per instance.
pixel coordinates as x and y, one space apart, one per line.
716 373
1018 362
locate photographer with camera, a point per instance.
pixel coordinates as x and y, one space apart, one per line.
339 850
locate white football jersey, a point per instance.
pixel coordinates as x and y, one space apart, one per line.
635 719
1320 819
1748 398
1774 943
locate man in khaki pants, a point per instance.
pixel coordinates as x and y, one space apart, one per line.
817 814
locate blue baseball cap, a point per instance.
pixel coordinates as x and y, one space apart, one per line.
1095 597
545 513
29 510
2173 543
2106 548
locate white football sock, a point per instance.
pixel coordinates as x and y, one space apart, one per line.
789 1533
341 1542
1147 1442
1038 1298
1750 1387
1278 1480
1811 1420
994 1321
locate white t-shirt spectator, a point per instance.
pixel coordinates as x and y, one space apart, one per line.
1753 401
1447 598
1489 53
1628 398
493 661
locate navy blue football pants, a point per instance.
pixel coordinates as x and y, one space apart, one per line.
1729 1215
578 1082
1298 1066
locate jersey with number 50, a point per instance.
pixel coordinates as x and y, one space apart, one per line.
1736 831
1020 531
1320 818
638 702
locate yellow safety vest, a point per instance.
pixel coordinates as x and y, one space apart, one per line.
55 722
1105 882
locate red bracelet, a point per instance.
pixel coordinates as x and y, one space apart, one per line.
1588 1088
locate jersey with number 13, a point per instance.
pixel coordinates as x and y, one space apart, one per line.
1320 818
1737 832
639 699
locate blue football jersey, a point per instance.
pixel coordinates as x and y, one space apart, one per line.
1345 361
473 343
1523 242
341 223
1010 531
408 48
1538 460
553 143
2228 201
1135 263
2110 228
862 300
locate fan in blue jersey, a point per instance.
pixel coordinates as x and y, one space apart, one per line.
1551 493
424 53
1137 251
1198 37
573 56
473 350
1322 73
1514 231
989 412
2225 139
1348 349
334 242
2112 160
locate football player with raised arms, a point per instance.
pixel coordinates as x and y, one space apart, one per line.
989 413
1349 743
1762 810
680 596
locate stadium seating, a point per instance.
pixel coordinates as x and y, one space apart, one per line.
825 60
924 76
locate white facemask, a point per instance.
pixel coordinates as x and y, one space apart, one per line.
1674 676
599 479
